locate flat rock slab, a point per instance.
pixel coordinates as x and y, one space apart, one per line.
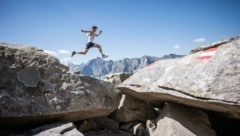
57 129
36 88
108 133
207 78
178 120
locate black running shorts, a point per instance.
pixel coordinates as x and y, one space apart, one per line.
90 45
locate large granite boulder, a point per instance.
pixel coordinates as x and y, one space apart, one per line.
132 109
35 87
179 120
208 78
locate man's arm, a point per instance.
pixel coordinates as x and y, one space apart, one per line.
99 33
84 31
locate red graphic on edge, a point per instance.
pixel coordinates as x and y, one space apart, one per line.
207 54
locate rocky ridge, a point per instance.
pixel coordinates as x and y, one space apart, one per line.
100 68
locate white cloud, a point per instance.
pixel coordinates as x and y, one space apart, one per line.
177 46
63 51
53 53
199 40
65 61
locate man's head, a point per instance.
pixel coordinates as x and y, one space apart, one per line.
94 28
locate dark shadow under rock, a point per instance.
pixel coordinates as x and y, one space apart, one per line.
223 125
96 124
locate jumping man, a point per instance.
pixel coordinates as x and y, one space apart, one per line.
91 35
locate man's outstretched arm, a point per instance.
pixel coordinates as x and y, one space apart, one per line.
84 31
99 33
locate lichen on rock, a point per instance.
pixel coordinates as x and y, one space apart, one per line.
29 76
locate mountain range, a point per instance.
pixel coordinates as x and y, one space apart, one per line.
98 67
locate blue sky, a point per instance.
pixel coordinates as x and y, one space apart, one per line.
131 28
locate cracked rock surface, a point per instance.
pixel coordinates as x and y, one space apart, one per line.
35 87
212 83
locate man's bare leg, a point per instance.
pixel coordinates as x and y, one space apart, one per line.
100 50
81 52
